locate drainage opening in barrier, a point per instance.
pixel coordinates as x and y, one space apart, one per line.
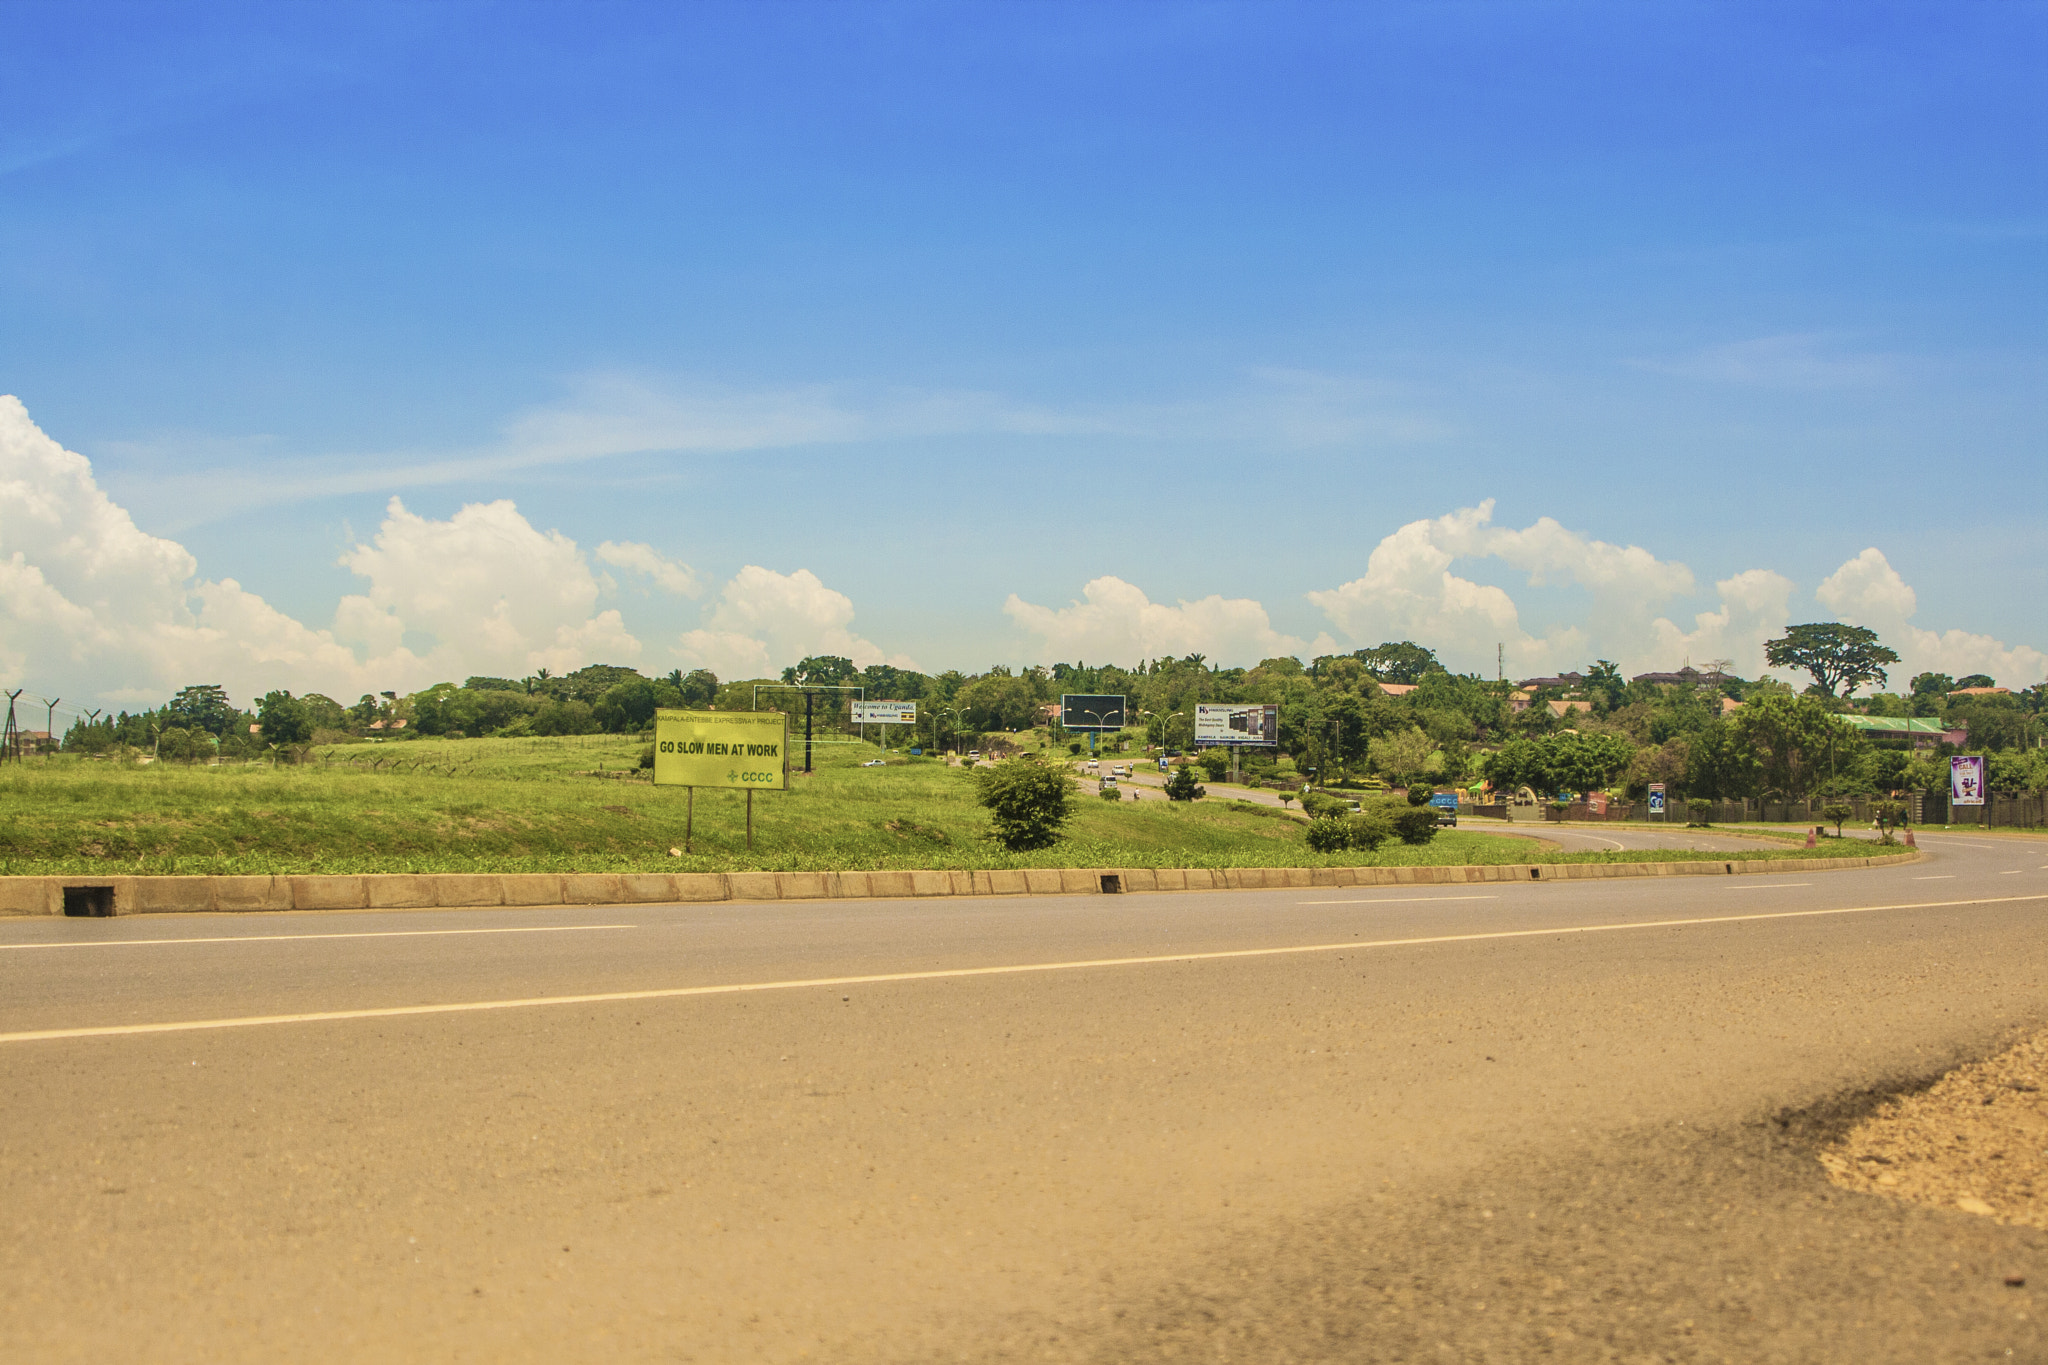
96 902
1536 872
1730 867
1112 884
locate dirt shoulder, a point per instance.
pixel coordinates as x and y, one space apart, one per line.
1975 1140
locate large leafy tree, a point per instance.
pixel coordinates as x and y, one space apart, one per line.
1399 661
1837 655
1797 743
284 718
822 670
202 707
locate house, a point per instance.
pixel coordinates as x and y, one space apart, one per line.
1518 701
1403 689
1561 708
1684 677
1982 692
1567 681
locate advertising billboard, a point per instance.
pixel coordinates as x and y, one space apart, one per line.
1091 711
737 750
1237 723
1656 798
884 712
1966 780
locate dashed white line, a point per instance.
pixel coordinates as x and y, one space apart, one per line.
296 938
963 973
1939 877
1767 886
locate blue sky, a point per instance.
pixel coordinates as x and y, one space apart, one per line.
942 305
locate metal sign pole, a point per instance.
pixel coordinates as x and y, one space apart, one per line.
750 819
807 764
689 817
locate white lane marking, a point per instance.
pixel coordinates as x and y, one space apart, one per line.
1941 877
962 973
1768 886
1400 900
296 938
2014 873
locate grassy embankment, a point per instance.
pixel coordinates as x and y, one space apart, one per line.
580 804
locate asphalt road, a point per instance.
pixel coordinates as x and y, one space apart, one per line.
1558 1121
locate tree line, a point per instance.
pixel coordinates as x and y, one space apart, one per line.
1391 713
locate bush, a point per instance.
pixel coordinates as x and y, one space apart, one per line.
1029 802
1362 832
1329 834
1111 794
1182 786
1418 795
647 757
1319 805
1701 812
1416 824
1214 762
1835 813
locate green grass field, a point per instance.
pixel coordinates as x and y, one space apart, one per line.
582 804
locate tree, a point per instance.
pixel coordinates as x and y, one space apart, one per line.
1029 800
1401 661
1181 786
1606 684
204 706
698 688
1974 680
821 670
1795 741
284 719
1936 685
1837 655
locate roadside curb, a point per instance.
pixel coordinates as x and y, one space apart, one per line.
462 890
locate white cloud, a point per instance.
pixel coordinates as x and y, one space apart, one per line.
496 595
1408 590
670 575
1867 591
91 605
1792 361
1754 608
1118 623
765 621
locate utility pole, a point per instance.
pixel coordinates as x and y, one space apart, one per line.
10 738
1500 660
50 722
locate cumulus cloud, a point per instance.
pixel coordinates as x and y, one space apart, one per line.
764 621
92 605
1754 607
1409 591
1868 591
668 574
1117 622
495 594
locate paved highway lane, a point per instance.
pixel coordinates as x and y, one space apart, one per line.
1375 1123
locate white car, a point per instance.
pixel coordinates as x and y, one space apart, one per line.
874 763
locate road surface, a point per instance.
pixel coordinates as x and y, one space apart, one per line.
1566 1121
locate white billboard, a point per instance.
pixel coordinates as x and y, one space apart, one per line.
884 712
1250 723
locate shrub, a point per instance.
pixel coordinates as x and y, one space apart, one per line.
1182 786
1329 834
1029 801
1319 805
1215 762
1416 824
1418 795
1111 794
1701 811
647 757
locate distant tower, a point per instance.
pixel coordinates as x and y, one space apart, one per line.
10 738
1500 660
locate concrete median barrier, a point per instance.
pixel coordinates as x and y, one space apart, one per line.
449 890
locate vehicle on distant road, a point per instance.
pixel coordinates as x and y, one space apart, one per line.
874 763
